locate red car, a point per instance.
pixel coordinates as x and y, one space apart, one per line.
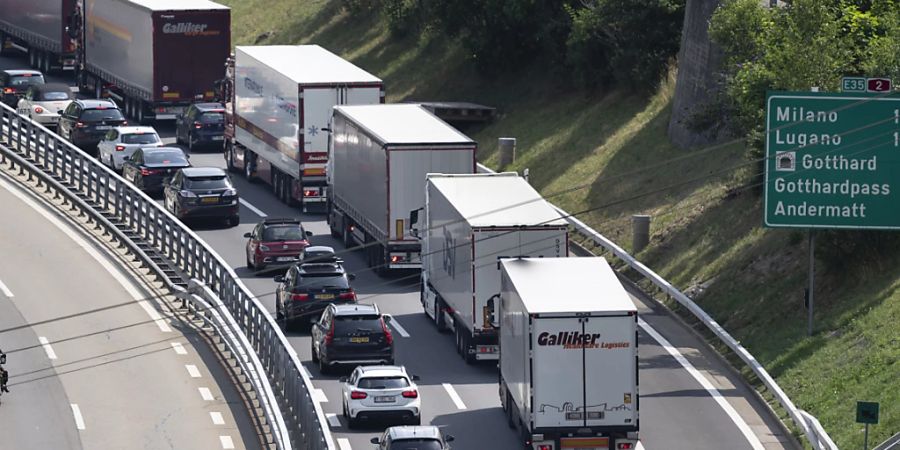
276 243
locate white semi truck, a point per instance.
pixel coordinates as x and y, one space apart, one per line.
380 155
278 112
569 357
471 222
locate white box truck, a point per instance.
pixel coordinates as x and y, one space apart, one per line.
279 111
379 158
568 354
471 222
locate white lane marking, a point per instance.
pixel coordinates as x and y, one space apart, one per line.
226 441
179 348
69 231
252 208
206 394
639 446
706 384
396 325
454 396
217 418
47 348
306 371
333 420
192 370
5 290
79 421
344 444
318 396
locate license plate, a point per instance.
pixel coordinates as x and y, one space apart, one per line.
218 138
329 297
102 127
359 340
208 200
383 399
284 258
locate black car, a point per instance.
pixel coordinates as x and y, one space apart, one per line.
306 290
85 122
353 335
147 167
14 83
202 125
202 192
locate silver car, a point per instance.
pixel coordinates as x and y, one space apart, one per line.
381 392
413 438
120 142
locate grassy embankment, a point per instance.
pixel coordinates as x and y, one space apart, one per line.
607 153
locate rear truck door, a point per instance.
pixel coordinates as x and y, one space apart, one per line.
317 106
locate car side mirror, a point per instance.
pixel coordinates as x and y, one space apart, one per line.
343 379
416 378
387 317
309 234
375 440
279 279
59 112
352 276
449 438
246 235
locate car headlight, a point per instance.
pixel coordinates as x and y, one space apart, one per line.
230 192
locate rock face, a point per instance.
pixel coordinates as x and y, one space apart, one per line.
698 61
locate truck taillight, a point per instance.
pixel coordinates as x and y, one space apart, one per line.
358 395
545 447
624 446
310 192
395 258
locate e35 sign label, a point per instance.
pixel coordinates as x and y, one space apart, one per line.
832 160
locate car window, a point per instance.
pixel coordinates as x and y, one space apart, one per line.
140 138
96 115
212 117
165 157
110 135
217 182
355 324
70 110
324 281
382 383
283 233
52 96
416 444
26 79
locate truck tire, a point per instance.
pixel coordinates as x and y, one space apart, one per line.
248 165
439 320
229 156
345 233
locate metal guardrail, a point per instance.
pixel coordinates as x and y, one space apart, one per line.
177 254
811 427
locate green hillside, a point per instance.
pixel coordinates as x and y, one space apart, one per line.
606 154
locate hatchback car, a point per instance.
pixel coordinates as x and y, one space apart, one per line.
124 141
203 192
148 167
85 122
413 438
201 125
305 291
380 392
42 103
352 335
14 83
275 243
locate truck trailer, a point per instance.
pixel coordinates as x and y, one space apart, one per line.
380 155
568 354
45 29
153 57
471 222
279 111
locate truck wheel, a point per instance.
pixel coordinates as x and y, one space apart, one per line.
345 226
229 157
248 165
439 321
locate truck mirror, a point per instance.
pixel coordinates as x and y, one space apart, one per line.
375 441
279 279
490 311
413 218
309 234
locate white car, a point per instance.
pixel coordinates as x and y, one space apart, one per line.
43 102
381 392
120 142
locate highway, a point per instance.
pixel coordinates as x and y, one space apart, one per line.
689 398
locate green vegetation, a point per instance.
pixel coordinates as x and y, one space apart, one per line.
606 152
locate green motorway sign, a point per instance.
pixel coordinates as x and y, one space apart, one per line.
832 160
867 412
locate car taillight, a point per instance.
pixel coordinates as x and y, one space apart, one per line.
299 297
120 148
8 90
198 125
146 172
358 395
412 393
80 125
349 295
387 333
38 110
124 122
329 338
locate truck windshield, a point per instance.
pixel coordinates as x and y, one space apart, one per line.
143 138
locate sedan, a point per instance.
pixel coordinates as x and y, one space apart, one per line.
148 167
380 392
43 103
14 83
122 142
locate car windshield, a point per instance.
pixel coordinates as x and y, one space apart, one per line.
212 117
354 324
165 157
55 96
286 233
382 383
140 138
25 80
96 115
416 444
329 281
216 182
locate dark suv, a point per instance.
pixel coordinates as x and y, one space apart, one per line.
202 192
203 124
85 122
353 335
14 83
305 290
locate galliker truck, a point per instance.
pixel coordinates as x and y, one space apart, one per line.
471 222
45 29
568 354
153 57
380 155
277 121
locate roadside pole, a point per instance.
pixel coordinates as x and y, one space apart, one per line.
812 281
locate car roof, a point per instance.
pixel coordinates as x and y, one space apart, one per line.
354 309
22 72
96 103
209 106
137 130
378 371
203 172
414 432
319 248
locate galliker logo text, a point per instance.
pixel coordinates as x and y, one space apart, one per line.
574 339
187 28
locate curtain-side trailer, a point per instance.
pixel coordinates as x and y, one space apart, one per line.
47 30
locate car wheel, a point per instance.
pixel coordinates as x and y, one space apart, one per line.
351 422
232 221
250 264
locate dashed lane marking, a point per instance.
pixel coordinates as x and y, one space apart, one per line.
79 421
226 441
206 394
179 348
318 396
454 396
396 325
192 370
217 418
249 206
5 290
344 444
47 348
333 420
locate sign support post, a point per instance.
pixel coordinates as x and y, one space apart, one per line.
867 412
812 282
